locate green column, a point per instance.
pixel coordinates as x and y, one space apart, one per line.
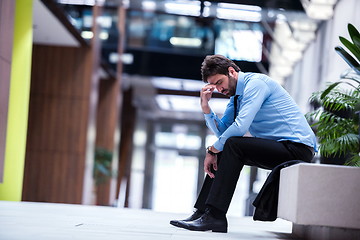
11 188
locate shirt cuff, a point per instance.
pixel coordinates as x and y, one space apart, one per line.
209 116
218 145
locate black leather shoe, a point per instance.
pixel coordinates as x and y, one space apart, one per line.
207 222
193 217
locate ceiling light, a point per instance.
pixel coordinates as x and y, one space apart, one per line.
304 36
78 2
319 9
149 5
87 34
185 42
238 14
332 2
104 35
304 25
190 8
239 7
280 17
104 21
270 14
125 58
126 3
206 12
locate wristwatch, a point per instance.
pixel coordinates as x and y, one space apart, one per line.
208 150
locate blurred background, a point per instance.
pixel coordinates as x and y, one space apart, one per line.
107 106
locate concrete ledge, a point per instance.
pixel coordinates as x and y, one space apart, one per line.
320 195
324 233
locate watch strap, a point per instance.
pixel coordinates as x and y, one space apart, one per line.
208 150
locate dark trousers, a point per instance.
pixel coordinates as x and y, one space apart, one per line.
239 151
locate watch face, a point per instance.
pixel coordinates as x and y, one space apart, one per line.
209 151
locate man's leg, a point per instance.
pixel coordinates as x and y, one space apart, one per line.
240 151
217 193
200 203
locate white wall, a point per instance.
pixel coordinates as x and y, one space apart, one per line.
321 64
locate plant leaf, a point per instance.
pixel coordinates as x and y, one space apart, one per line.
352 47
348 59
328 89
356 41
102 169
354 160
353 32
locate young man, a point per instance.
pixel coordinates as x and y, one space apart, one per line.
260 106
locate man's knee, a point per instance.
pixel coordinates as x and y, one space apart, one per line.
233 149
231 141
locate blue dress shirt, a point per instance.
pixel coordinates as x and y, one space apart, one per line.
265 109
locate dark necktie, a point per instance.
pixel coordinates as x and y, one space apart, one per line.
235 105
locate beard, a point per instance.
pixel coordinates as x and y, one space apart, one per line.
231 88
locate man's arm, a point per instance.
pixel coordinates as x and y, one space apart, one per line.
213 122
205 96
254 95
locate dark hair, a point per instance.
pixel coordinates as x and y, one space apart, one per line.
216 64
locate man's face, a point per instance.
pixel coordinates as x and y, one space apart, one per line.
225 84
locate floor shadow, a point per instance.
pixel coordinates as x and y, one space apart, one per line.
286 236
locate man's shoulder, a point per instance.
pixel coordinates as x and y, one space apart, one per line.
254 78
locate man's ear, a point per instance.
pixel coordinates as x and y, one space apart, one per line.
231 71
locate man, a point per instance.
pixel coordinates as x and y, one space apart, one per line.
257 105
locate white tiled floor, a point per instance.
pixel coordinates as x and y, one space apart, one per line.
30 221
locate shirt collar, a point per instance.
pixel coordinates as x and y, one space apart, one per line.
240 84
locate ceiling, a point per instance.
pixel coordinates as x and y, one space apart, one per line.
48 30
149 63
290 5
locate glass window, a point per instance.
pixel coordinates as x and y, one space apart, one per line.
175 179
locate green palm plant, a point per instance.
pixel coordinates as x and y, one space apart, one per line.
337 122
353 46
102 165
337 118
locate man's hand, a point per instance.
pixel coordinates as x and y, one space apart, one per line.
205 96
210 161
